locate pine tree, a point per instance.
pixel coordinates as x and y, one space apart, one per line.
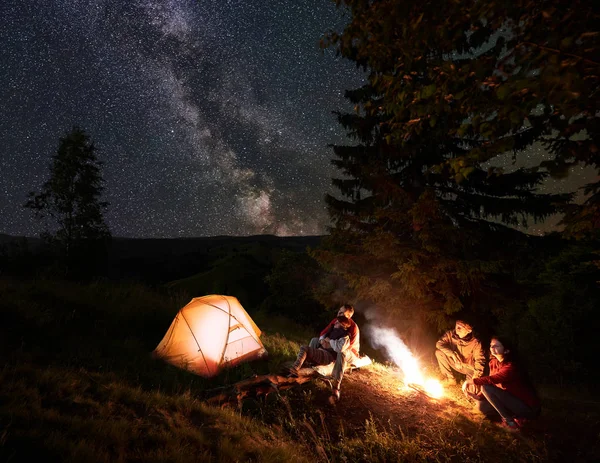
506 73
69 201
420 222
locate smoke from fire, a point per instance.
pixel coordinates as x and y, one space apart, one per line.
387 340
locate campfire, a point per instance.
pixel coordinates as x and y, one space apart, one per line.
413 374
414 378
431 388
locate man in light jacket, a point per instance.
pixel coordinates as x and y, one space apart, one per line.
460 350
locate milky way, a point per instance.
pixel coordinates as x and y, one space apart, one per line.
211 117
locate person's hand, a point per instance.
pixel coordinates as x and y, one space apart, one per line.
457 359
466 384
325 343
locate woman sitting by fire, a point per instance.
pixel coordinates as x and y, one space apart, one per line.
506 392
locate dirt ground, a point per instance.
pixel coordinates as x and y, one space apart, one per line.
379 394
566 430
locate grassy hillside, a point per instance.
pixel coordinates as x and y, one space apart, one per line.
163 260
78 384
235 270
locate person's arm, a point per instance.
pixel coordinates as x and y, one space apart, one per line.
341 344
479 360
353 332
327 329
503 374
445 345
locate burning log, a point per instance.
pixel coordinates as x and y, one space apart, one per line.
419 389
432 389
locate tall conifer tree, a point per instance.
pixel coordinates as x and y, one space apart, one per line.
420 221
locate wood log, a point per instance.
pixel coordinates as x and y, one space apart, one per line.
263 385
258 386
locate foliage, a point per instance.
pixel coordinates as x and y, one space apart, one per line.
450 88
293 282
502 75
70 200
560 312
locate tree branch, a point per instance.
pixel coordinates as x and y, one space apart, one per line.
557 51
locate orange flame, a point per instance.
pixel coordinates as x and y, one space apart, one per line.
409 365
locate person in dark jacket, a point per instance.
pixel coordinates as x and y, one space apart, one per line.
346 354
353 332
336 342
460 350
507 391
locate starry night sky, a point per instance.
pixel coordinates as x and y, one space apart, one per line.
212 117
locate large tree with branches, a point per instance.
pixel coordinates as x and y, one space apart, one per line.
451 87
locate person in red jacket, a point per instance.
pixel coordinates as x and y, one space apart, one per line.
348 311
347 355
337 342
507 391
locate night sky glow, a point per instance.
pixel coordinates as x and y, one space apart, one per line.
212 117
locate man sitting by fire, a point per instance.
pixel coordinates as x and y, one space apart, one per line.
460 350
334 345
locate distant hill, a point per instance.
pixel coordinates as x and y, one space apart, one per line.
8 241
159 261
182 246
5 239
224 264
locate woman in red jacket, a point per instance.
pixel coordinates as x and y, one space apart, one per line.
506 391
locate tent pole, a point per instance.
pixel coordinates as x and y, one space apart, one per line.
228 332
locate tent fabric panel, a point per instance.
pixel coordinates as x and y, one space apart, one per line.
179 348
241 351
231 305
164 343
210 327
242 317
178 341
237 333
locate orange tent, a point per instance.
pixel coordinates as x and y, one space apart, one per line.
210 333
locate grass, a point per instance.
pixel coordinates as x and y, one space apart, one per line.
78 384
